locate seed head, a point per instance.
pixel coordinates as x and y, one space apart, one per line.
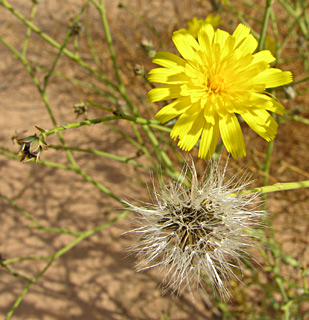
197 235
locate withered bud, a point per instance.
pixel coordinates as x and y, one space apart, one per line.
80 109
121 107
148 47
139 70
31 147
290 92
76 29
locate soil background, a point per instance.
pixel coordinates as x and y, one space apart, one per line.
96 280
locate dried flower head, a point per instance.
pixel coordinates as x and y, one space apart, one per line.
197 235
31 147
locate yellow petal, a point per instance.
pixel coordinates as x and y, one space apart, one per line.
188 141
232 136
164 92
173 109
220 37
164 75
227 49
186 45
262 123
186 121
268 102
273 77
191 71
240 33
209 140
205 37
248 45
251 72
168 60
264 55
210 109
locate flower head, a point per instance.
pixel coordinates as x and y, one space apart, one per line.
31 147
217 77
195 24
197 234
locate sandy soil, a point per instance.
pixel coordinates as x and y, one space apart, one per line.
96 280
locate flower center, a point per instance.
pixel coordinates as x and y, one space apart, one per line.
194 228
216 83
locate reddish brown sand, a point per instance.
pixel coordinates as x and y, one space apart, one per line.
96 280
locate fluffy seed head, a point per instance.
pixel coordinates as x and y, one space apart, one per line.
197 235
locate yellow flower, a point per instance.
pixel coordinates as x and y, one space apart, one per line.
217 77
195 24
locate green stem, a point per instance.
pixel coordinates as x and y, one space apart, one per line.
145 124
121 88
103 154
294 118
46 79
14 273
276 35
294 83
76 46
267 11
161 154
91 44
60 137
151 123
279 283
102 11
137 145
266 170
303 276
13 260
28 34
279 186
